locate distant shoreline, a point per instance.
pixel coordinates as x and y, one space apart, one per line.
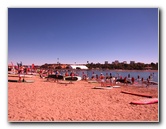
118 70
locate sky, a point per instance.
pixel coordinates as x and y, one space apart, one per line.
78 35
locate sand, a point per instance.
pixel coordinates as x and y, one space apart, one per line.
44 101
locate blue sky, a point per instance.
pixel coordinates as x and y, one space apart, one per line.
43 35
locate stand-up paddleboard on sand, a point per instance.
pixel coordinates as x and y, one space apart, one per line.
122 81
66 82
55 76
29 81
145 101
153 83
137 94
92 81
24 81
102 87
116 86
16 75
12 80
74 78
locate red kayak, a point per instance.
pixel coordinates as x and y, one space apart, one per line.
145 101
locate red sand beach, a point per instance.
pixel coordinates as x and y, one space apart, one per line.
54 102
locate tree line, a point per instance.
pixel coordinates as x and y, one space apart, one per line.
119 66
122 66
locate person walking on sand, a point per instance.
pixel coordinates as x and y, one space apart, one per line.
102 79
57 74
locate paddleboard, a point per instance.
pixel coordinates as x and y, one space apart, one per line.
74 78
137 94
100 87
25 81
116 86
12 80
92 81
12 75
25 76
153 83
55 76
29 81
66 82
145 101
122 81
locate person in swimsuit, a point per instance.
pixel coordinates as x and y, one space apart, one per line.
66 74
102 79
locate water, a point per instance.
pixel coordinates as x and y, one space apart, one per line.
118 73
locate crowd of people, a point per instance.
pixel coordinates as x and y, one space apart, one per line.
103 79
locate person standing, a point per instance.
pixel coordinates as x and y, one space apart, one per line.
102 79
125 80
19 75
132 79
97 77
56 76
66 74
142 80
147 82
83 76
112 80
138 78
93 75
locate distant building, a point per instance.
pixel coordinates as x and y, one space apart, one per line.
140 63
106 62
116 62
132 62
124 62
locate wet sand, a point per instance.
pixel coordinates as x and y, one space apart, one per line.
44 101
